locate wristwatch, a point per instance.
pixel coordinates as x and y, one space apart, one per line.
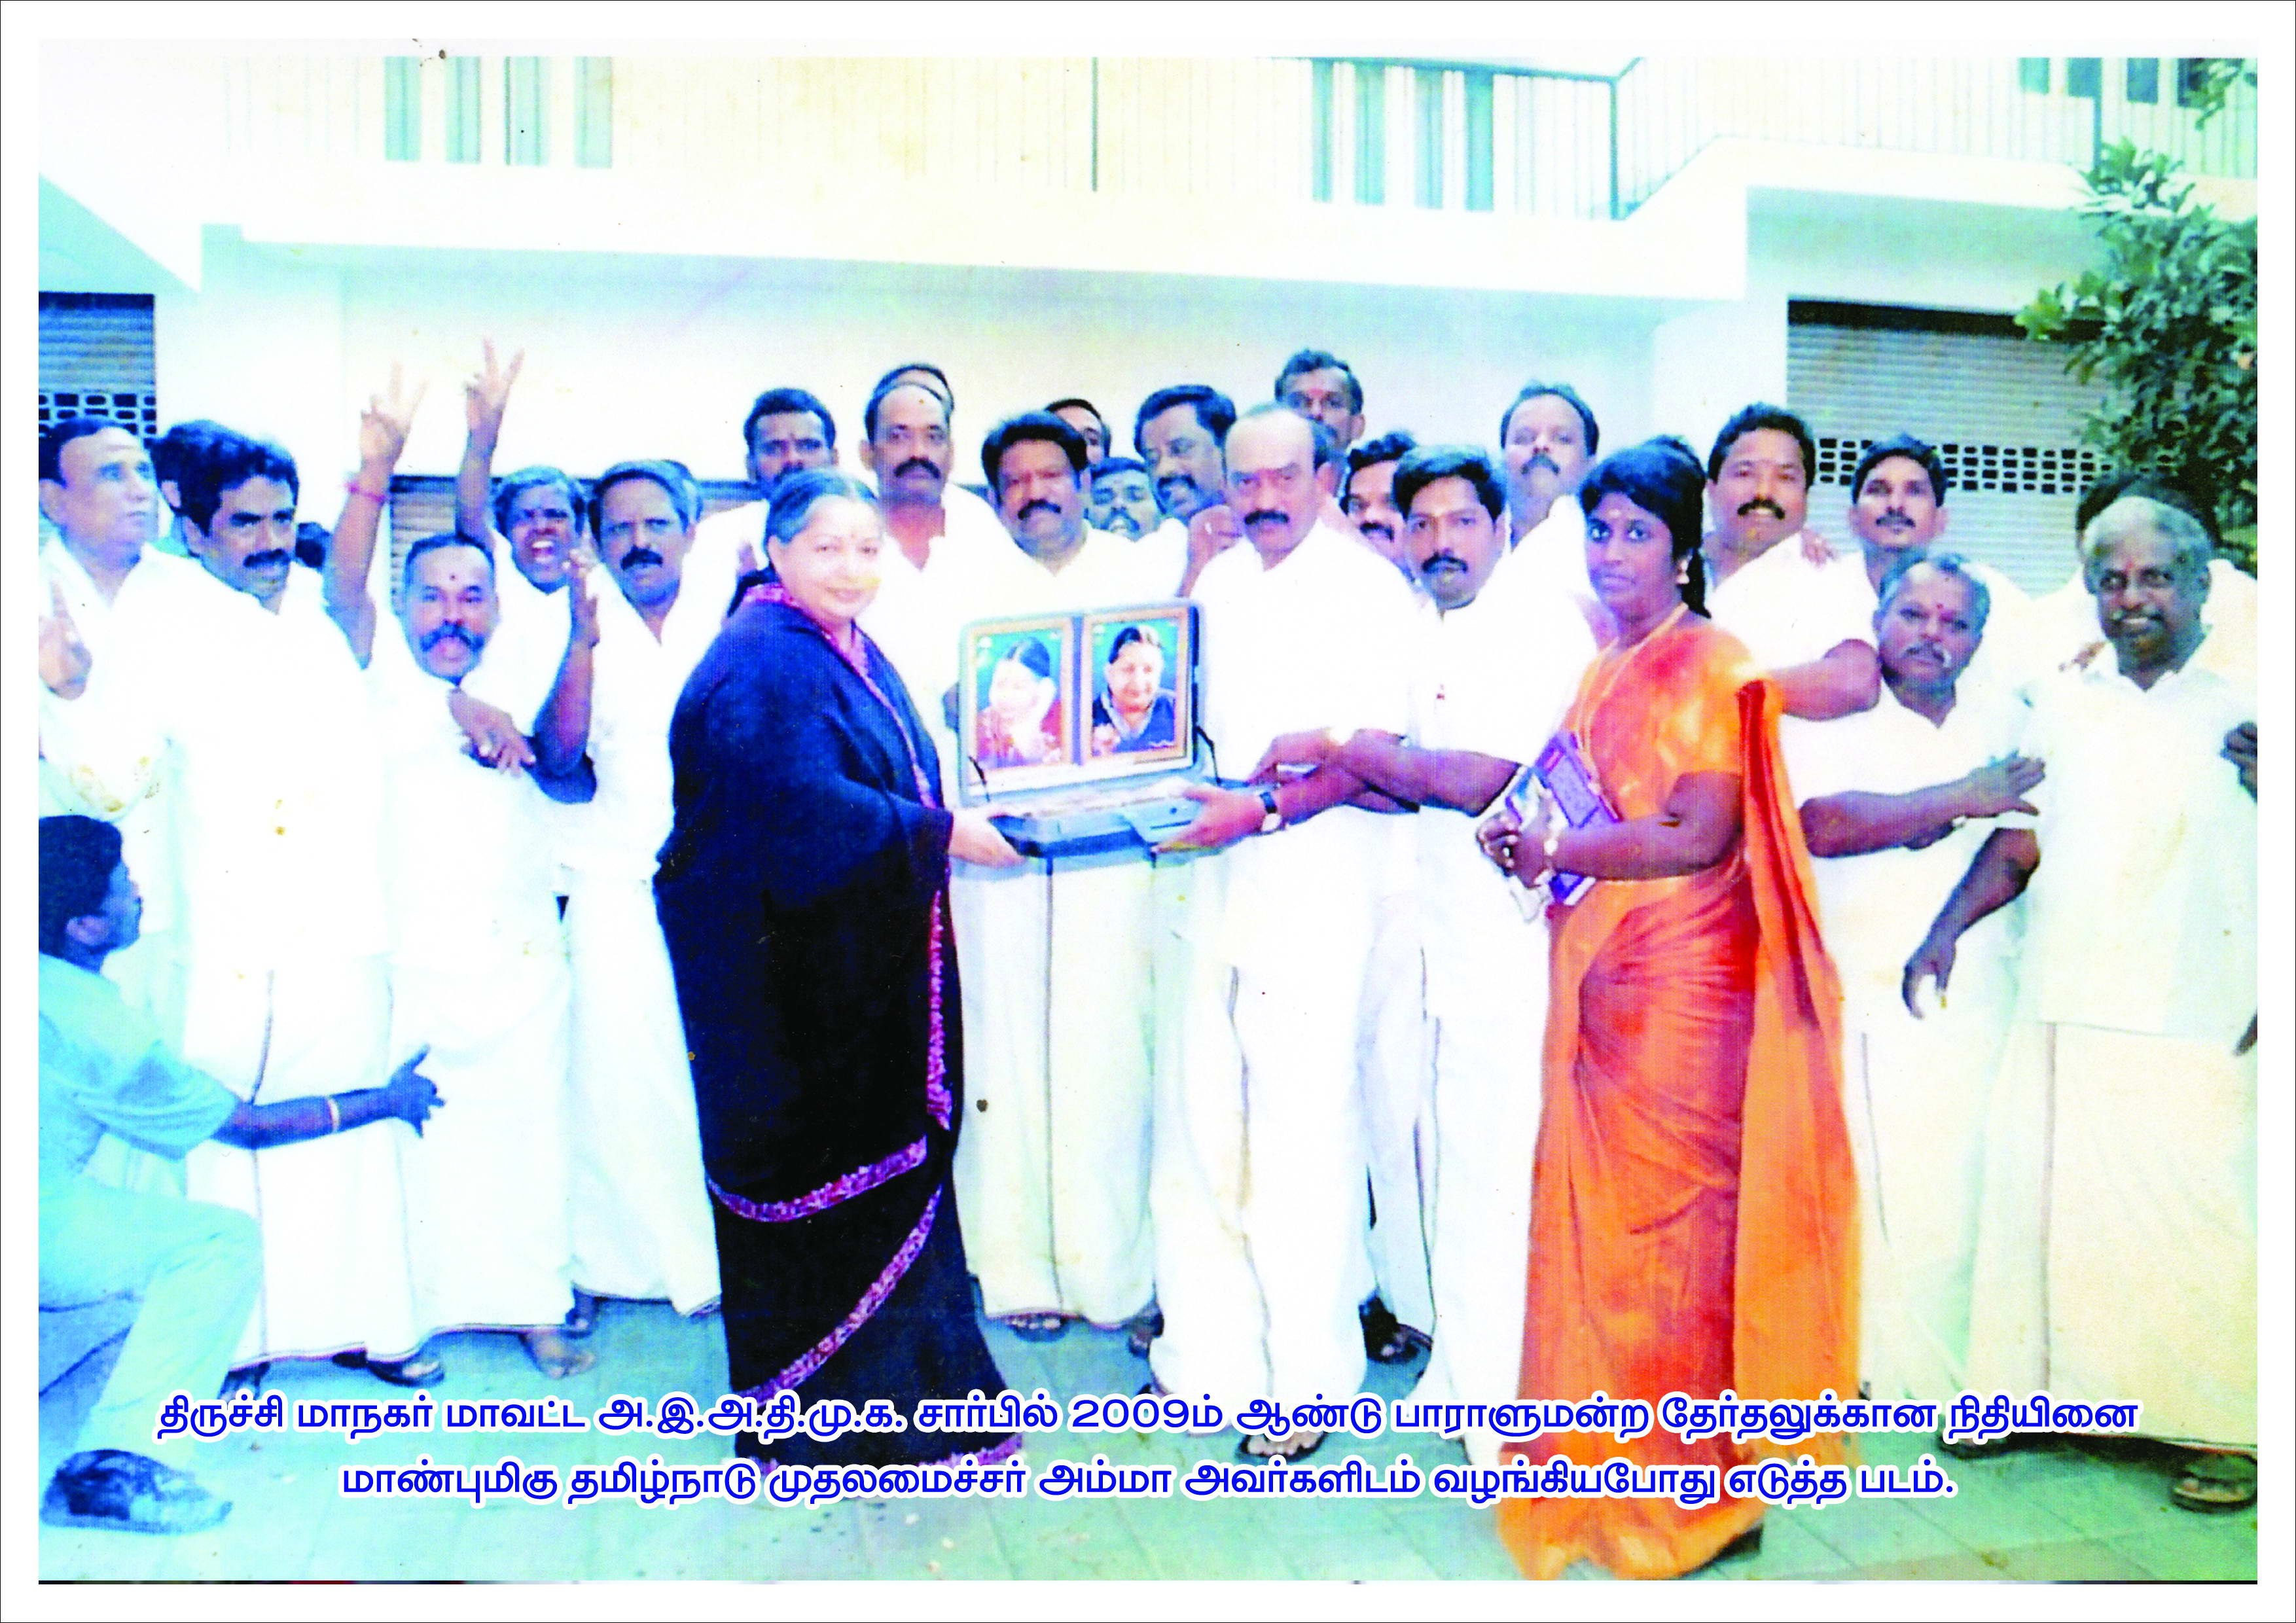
1274 820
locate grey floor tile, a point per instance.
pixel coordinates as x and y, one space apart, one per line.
2190 1556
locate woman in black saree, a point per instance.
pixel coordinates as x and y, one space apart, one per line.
803 893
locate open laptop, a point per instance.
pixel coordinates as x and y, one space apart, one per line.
1078 732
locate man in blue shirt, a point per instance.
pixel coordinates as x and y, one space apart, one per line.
196 1266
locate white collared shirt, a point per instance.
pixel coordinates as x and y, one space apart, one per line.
2141 916
1875 907
1788 610
1494 678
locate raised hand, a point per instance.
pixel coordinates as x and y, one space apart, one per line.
383 425
409 1095
64 659
487 396
582 597
2001 786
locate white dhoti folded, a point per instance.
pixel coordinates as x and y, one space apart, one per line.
642 1224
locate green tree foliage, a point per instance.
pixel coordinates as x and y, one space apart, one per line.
2168 322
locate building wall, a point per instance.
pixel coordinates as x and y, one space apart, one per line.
632 356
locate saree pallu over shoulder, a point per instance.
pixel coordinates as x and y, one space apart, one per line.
1694 1211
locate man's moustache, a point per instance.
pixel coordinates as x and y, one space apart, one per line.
1377 526
917 464
277 557
432 638
1762 504
1540 459
638 557
1038 505
1267 515
1443 560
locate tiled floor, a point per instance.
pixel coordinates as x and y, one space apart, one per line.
2055 1515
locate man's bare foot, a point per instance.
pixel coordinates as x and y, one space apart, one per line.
554 1357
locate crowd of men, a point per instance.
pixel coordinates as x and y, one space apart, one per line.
1275 1109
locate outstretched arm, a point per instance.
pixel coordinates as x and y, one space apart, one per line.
383 436
562 732
409 1095
1853 823
485 399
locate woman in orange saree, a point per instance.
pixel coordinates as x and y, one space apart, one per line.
1693 1204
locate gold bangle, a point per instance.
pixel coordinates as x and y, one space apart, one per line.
334 1115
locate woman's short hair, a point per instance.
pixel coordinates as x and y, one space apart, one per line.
799 494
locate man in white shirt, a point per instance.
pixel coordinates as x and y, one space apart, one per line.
1052 1166
107 593
787 429
1898 511
1257 1196
478 962
953 562
259 722
642 1227
2117 1246
1497 662
1807 623
1178 432
2065 627
1548 440
1895 802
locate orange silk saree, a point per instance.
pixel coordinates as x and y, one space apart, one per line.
1693 1212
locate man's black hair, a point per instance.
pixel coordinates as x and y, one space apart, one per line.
1392 447
787 403
1564 392
1762 415
1041 426
229 461
1215 412
1914 450
1423 466
78 856
1321 360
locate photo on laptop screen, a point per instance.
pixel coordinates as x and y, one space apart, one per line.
1135 668
1018 700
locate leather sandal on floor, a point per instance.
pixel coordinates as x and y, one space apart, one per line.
425 1368
1388 1340
1143 1328
2212 1483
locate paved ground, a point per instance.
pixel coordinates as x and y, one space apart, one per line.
2059 1514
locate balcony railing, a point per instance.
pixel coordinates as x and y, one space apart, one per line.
1474 137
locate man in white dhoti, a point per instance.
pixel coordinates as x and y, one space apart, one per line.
2117 1246
2065 622
1052 1166
1804 612
107 593
1257 1186
1895 802
642 1223
478 964
1498 659
1898 509
1548 440
1178 432
259 720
